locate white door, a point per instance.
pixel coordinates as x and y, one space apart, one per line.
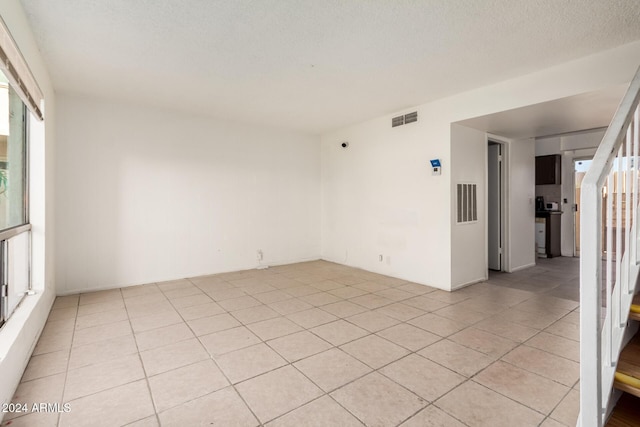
494 186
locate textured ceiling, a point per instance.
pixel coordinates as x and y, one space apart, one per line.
307 64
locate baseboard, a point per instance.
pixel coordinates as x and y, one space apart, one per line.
522 267
382 274
76 291
469 283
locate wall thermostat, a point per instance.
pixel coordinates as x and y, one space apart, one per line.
436 168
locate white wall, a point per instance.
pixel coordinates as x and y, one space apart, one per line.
148 195
582 140
521 197
19 335
379 196
548 146
578 145
469 240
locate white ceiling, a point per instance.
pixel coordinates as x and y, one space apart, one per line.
574 113
312 65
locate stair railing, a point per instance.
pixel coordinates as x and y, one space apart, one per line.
609 256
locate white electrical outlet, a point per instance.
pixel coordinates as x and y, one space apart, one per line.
260 255
380 257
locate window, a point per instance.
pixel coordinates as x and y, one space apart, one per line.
14 232
13 171
19 90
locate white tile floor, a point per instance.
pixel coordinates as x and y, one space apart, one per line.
557 277
311 344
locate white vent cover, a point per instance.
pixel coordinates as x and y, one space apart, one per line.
467 203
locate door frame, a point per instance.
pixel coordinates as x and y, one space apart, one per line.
504 206
573 198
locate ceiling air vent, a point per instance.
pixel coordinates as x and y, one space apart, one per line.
403 120
467 203
411 117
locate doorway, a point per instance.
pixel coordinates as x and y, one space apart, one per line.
495 206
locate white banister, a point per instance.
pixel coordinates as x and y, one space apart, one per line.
613 176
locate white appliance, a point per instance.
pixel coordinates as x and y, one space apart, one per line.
541 238
552 206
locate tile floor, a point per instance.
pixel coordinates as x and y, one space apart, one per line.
311 344
558 277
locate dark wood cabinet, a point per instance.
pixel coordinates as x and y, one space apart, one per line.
548 170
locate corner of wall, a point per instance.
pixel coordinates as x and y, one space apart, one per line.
468 240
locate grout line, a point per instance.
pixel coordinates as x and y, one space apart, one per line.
300 274
144 369
66 373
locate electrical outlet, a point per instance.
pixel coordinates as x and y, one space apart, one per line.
380 257
260 255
